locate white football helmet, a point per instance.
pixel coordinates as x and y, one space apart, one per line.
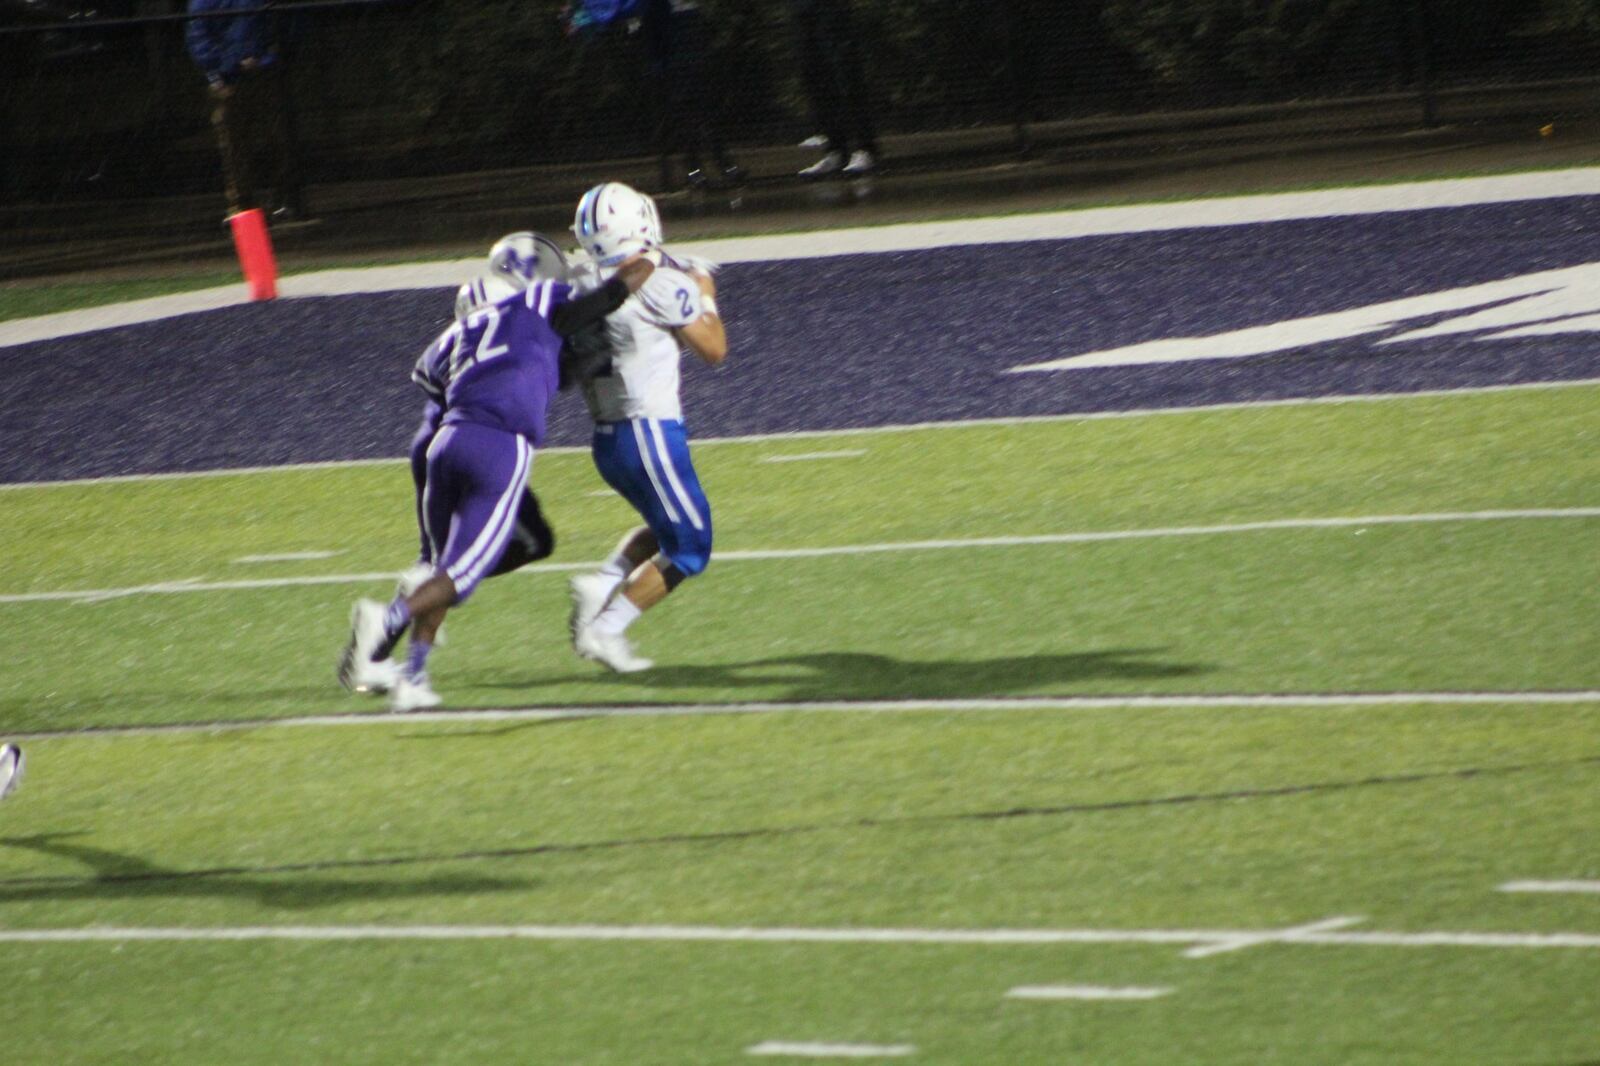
488 289
525 257
615 221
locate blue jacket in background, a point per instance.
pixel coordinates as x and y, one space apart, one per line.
219 45
595 15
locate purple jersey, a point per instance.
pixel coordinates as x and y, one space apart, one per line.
500 367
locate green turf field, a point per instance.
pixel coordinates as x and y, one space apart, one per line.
613 866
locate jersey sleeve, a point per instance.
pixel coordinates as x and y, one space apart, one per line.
543 297
429 373
670 298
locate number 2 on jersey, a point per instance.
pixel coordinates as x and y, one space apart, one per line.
486 349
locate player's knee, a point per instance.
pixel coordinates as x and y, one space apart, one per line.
686 562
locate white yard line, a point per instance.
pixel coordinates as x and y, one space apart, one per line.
1579 887
802 1050
197 585
959 544
1087 992
809 457
811 434
288 557
1279 936
1299 936
1055 225
999 705
186 584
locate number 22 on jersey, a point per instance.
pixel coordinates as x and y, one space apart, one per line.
465 355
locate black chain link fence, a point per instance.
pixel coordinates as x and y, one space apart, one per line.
105 103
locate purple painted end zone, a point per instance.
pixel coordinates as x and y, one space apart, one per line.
820 344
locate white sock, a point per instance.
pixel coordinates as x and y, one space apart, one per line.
617 616
616 568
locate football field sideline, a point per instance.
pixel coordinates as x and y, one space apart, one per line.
996 705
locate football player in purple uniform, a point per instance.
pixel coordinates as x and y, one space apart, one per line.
515 262
493 376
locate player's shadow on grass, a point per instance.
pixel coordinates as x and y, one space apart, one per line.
117 876
858 675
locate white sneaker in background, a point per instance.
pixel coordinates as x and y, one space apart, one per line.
609 649
357 670
816 140
831 163
11 764
413 694
861 162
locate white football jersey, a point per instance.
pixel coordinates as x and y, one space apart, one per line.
643 380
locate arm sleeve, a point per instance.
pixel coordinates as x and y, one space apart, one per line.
572 315
585 355
425 373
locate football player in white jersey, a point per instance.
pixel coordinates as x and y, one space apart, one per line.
640 446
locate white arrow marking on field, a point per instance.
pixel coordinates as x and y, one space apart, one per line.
1546 302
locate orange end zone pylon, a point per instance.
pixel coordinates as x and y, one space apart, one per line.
255 253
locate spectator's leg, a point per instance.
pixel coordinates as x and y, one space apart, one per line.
702 106
659 85
230 145
856 102
687 119
822 79
287 185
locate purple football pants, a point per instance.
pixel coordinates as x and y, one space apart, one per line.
476 478
532 540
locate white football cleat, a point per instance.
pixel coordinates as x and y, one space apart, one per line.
413 694
816 140
358 672
589 595
831 163
411 579
609 649
11 764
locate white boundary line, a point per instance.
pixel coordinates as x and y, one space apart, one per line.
1298 936
290 557
902 237
1176 701
807 434
803 1050
808 457
1580 887
769 554
1089 992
